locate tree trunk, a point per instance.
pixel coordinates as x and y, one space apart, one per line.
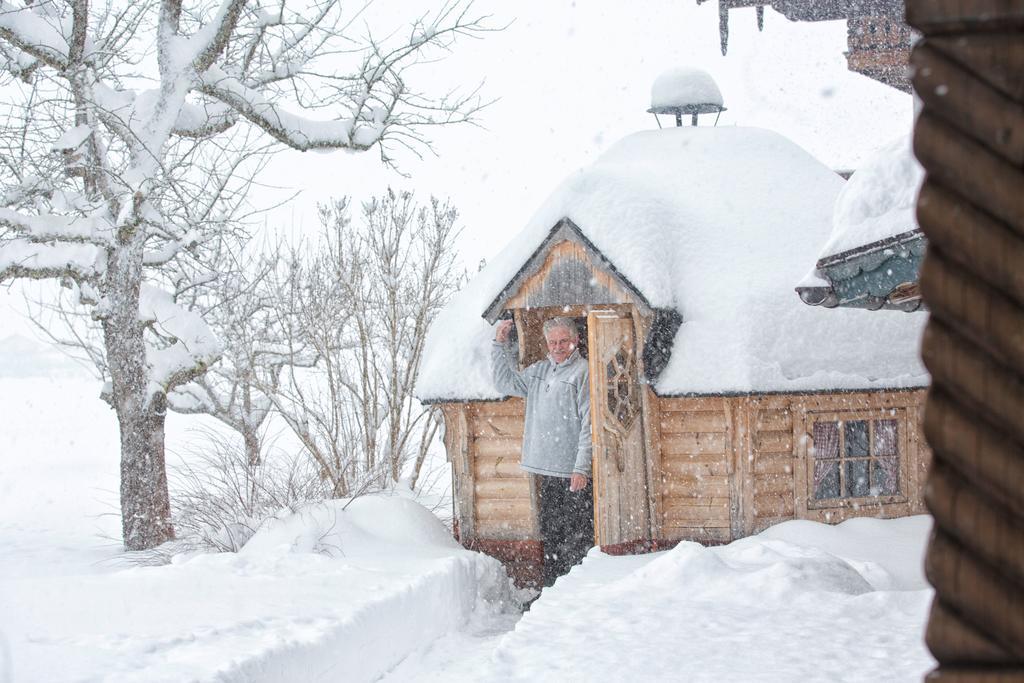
145 501
252 446
426 438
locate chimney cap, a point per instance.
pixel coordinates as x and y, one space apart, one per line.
685 90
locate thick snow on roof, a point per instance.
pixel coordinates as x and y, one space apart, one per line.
878 201
717 223
681 86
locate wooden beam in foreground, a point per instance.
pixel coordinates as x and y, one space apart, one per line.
970 139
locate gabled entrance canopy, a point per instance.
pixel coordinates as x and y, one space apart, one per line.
566 269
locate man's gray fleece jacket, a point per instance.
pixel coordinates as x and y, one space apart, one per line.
556 441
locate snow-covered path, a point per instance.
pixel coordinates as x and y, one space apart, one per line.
459 655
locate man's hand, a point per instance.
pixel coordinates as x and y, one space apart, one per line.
577 482
503 332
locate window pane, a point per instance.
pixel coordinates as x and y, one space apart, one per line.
826 479
826 440
857 484
885 476
885 438
856 435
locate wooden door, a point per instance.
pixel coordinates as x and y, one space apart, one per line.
621 511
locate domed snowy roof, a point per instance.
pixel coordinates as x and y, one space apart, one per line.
716 224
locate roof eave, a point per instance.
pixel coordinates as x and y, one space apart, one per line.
882 275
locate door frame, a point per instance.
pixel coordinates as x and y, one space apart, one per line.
646 467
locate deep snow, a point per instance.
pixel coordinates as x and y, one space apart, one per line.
380 589
325 594
774 607
802 601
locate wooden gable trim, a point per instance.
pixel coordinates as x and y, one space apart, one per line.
564 230
552 284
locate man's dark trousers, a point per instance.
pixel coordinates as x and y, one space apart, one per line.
566 525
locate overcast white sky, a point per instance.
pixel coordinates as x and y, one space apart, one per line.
572 78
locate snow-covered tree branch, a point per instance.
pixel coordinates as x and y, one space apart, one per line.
132 134
245 305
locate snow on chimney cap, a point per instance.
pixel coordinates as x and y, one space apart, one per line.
685 90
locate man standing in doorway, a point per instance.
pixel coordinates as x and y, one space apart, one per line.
556 441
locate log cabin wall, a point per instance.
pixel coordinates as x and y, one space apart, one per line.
733 466
723 468
492 495
697 461
879 48
767 462
502 505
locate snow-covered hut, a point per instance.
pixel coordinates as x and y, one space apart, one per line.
721 404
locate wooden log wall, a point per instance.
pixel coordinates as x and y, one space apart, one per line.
969 73
734 466
729 466
500 504
771 462
696 439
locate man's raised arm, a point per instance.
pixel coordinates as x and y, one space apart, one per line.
507 377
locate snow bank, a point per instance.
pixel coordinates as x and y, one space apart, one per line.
328 593
886 552
717 223
798 602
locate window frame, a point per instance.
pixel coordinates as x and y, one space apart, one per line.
841 417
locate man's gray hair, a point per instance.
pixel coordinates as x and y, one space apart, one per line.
561 321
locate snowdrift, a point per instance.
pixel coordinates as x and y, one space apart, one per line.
801 601
327 593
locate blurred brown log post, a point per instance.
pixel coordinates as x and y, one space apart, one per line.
969 72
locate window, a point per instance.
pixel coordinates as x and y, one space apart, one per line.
623 389
855 457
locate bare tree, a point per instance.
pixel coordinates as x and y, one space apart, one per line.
241 306
133 133
364 305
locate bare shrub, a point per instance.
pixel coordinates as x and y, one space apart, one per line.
221 497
